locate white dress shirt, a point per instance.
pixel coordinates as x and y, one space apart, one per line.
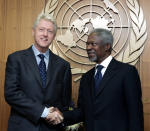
105 64
38 59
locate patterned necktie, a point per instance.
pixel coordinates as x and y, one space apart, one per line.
98 77
42 69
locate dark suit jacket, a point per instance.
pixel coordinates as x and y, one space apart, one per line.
116 106
24 93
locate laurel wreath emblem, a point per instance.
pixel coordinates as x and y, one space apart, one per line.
138 34
50 7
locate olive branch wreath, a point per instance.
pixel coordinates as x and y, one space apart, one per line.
138 34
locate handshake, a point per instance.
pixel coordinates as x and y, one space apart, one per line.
55 116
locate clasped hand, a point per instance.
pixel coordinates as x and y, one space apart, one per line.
55 116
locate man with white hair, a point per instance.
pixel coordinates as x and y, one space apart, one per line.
36 80
110 93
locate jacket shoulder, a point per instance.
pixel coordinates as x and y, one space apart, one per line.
124 65
59 59
18 53
89 73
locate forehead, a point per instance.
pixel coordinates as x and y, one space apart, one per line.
45 23
94 37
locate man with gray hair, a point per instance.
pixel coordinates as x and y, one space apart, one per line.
110 93
37 80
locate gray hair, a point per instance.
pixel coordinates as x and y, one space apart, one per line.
105 36
45 17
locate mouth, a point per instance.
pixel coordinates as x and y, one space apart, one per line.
44 39
91 53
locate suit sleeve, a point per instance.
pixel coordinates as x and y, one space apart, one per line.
132 86
15 96
76 115
67 90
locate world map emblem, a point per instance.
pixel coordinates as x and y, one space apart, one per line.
76 18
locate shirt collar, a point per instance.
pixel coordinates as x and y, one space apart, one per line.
106 62
37 52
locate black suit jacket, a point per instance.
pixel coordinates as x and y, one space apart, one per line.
116 106
24 93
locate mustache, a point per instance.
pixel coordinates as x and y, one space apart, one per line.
91 51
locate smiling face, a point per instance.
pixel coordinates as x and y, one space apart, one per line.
97 51
44 34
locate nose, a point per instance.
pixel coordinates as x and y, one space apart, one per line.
88 46
45 33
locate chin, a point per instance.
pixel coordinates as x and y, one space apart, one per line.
44 45
93 59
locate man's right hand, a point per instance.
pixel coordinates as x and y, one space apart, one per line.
55 116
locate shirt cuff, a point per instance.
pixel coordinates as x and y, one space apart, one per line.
45 112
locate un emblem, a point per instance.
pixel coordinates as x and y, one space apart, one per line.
76 18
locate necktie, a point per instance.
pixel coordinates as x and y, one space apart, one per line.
42 69
98 77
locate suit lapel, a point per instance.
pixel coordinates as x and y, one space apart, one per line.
112 69
51 67
31 61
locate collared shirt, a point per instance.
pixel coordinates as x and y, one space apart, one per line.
38 59
105 64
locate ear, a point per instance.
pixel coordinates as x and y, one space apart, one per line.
107 47
33 32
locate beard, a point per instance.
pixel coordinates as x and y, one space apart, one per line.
92 58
